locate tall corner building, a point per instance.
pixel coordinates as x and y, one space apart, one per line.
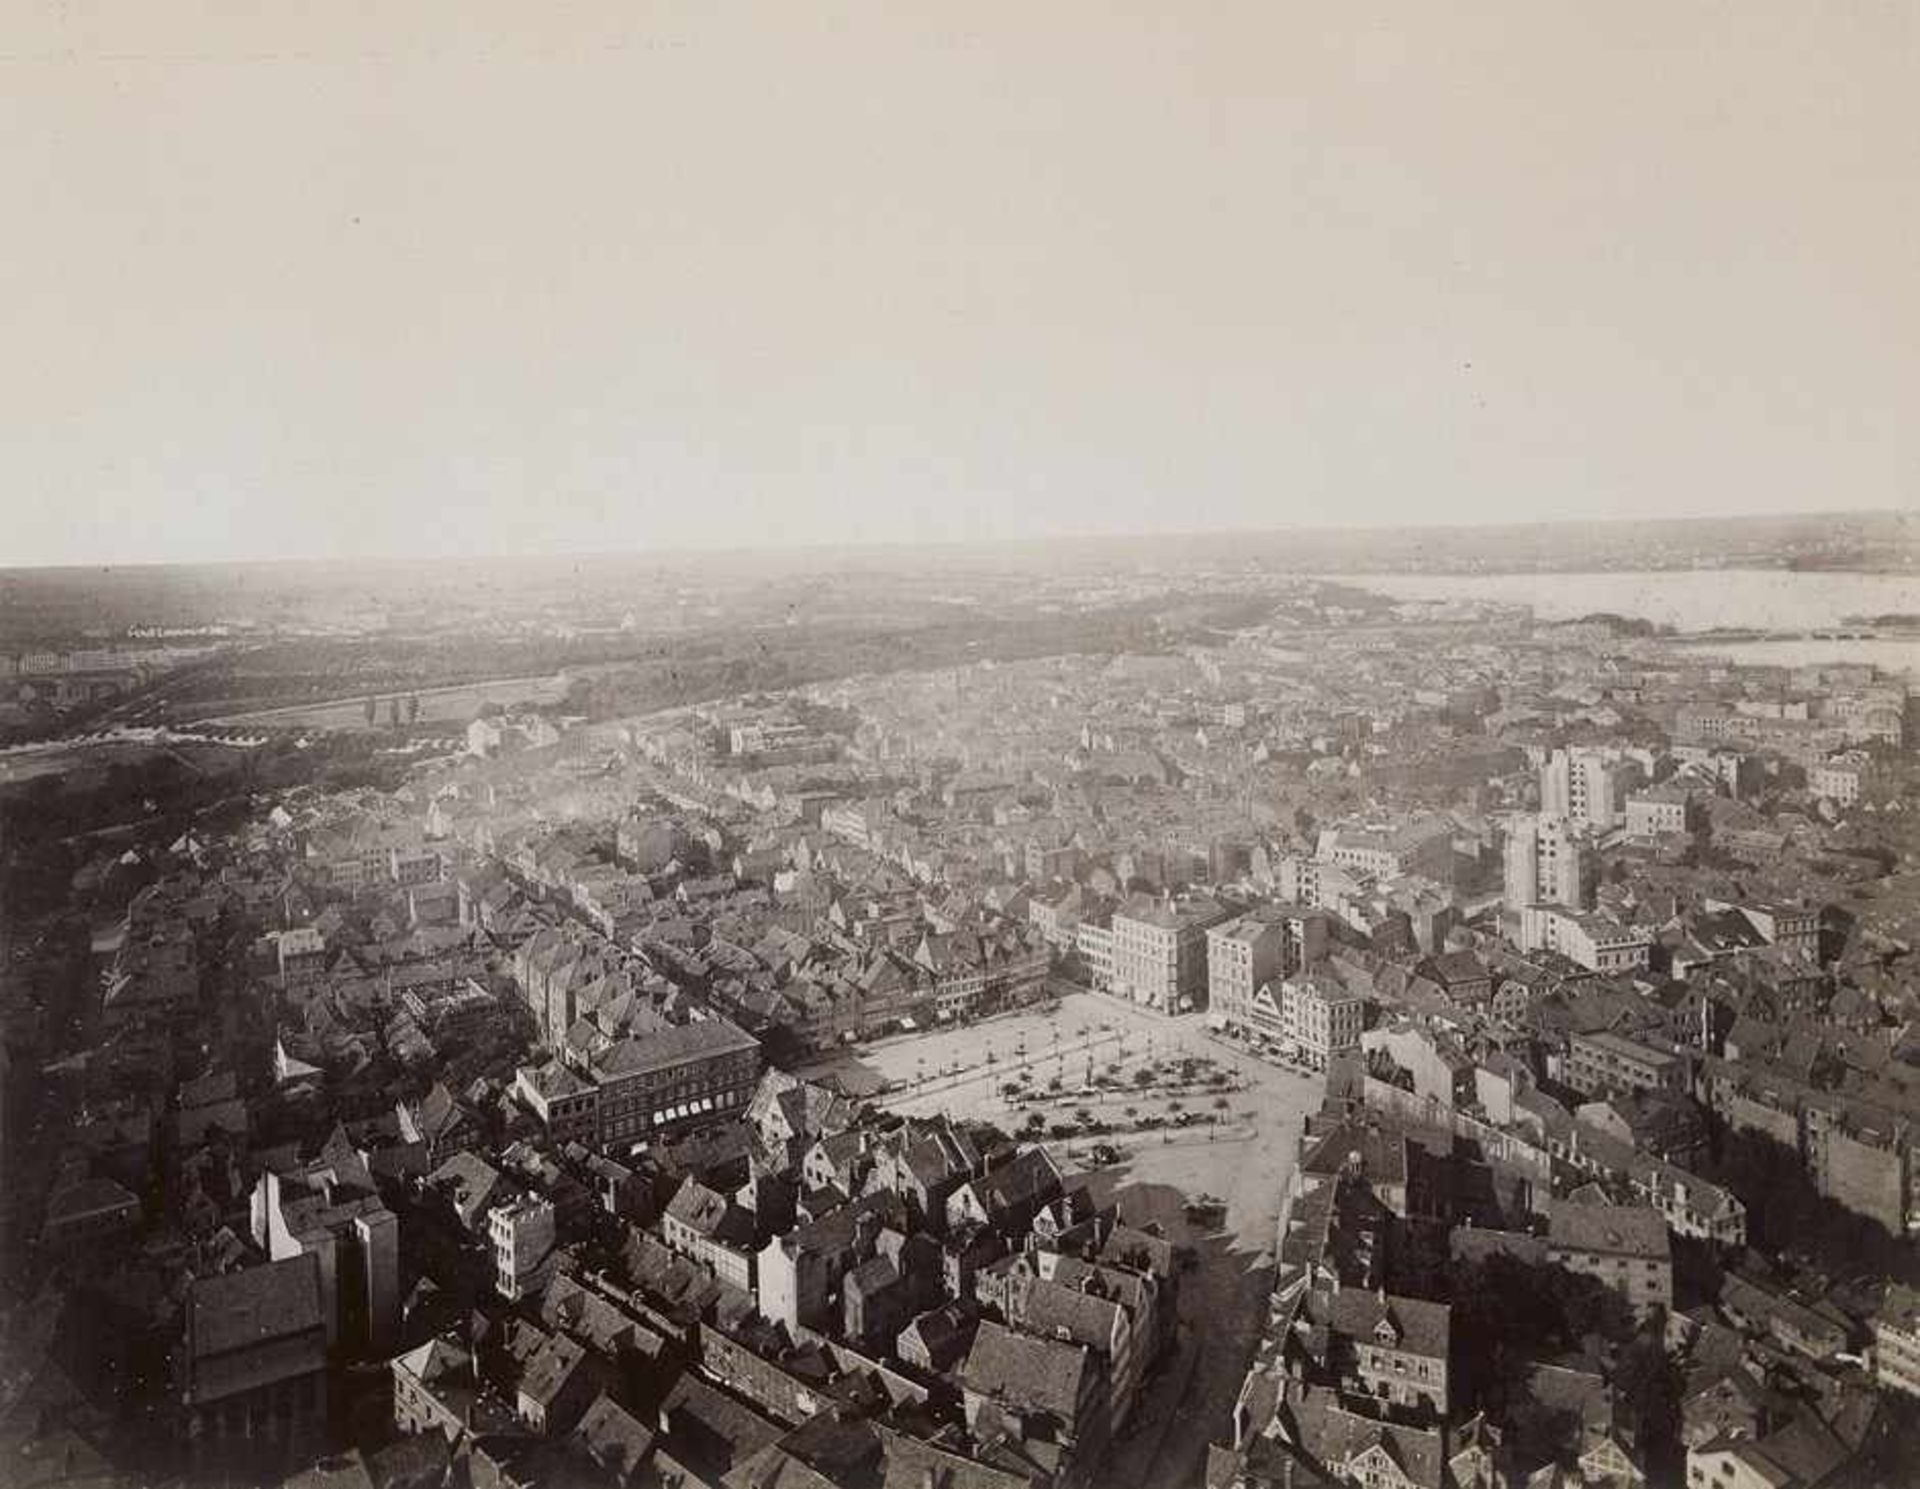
1547 863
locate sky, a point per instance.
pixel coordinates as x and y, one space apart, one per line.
483 278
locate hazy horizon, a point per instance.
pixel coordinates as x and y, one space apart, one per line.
1901 528
477 282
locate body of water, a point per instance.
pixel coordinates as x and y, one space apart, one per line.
1888 653
1696 600
1686 599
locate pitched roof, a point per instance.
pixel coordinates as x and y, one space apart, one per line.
470 1181
1054 1310
677 1044
1627 1230
251 1307
551 1367
613 1438
1026 1178
1026 1373
1421 1328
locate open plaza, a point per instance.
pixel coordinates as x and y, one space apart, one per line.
1179 1113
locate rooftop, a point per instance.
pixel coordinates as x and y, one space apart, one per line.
239 1310
1627 1230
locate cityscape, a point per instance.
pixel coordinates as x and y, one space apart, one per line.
751 745
1006 1019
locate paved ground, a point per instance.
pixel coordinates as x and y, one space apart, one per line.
1223 1302
1246 1160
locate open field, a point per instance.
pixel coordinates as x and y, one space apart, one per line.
451 705
84 762
1245 1157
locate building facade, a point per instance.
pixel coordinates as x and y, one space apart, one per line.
1160 951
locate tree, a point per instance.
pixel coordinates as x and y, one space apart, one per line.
371 706
1143 1077
1220 1103
413 708
1651 1388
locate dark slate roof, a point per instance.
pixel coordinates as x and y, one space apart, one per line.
1027 1178
615 1439
1027 1374
240 1309
677 1044
1422 1327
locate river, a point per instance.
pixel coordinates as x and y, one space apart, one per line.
1779 601
1686 599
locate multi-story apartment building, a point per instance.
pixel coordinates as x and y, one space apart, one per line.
1321 1016
1244 955
1860 1155
1624 1246
1807 742
1659 811
1391 1348
973 974
701 1223
522 1233
673 1078
1596 942
433 1390
1546 863
1108 1311
1423 845
1794 926
1608 1064
861 823
1047 1392
1587 788
1160 950
1896 1341
1837 780
1241 956
1055 915
566 1102
410 864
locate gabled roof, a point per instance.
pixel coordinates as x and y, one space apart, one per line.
1624 1230
1027 1374
704 1211
1028 1178
240 1310
470 1181
1054 1310
613 1438
551 1367
1417 1326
